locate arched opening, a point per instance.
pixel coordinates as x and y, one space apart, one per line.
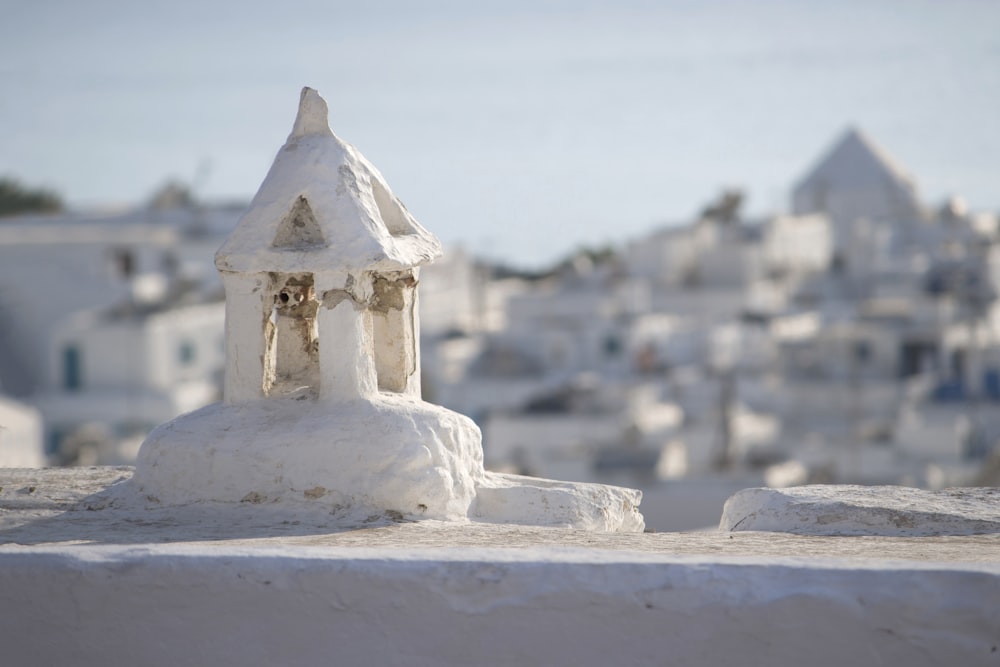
291 362
393 331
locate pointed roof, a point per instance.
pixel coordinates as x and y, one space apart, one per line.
323 206
855 165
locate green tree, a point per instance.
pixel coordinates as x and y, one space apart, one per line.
16 198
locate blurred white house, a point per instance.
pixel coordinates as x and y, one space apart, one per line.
854 339
21 435
112 322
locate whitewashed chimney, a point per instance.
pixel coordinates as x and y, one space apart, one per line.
321 408
320 275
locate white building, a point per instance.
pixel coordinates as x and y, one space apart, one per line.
21 444
95 308
114 374
54 266
799 334
856 180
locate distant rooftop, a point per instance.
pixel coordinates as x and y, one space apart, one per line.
856 178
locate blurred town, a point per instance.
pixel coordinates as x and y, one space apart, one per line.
854 339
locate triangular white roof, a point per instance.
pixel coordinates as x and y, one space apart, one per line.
856 169
351 219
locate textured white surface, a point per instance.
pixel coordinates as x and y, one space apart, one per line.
545 502
363 225
352 460
89 583
72 506
864 510
348 458
169 605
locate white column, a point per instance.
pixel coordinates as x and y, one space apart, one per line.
413 387
246 339
346 346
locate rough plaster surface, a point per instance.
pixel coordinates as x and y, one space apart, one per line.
91 583
78 506
167 605
350 460
504 498
361 225
357 457
864 510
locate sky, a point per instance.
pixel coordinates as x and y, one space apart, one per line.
518 129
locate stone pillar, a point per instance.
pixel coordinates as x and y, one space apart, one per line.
249 362
346 346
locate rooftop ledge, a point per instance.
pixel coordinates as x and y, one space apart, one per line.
96 583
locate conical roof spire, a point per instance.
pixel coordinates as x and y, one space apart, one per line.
323 206
313 116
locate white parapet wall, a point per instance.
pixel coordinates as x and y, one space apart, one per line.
537 605
87 582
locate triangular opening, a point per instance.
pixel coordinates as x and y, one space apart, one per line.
391 210
299 229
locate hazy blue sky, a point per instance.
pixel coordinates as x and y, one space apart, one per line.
520 128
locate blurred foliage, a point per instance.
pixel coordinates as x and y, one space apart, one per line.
173 194
582 259
725 207
16 198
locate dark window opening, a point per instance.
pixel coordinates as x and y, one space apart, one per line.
124 263
186 353
72 368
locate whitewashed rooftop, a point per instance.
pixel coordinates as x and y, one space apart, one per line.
855 179
92 583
